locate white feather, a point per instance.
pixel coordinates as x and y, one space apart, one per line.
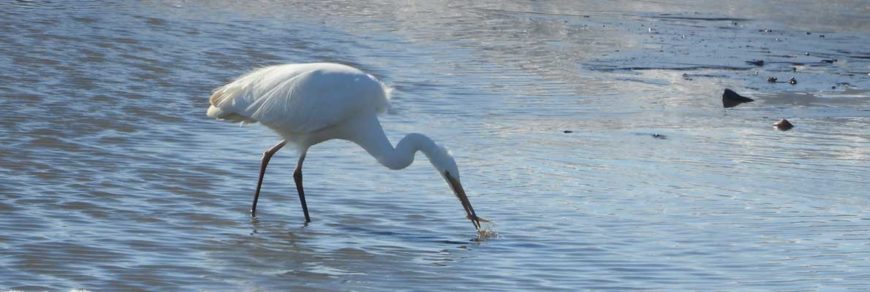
299 98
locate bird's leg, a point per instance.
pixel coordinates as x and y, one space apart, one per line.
266 157
297 177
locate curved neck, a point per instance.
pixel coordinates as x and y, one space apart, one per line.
371 137
403 155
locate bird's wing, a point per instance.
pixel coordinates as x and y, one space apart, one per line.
301 98
232 101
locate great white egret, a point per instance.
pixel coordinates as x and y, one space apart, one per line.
311 103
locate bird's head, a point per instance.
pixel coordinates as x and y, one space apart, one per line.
444 163
446 166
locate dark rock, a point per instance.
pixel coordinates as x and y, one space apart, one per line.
732 99
783 125
687 77
567 131
756 62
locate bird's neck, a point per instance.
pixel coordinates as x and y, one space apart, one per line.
403 154
375 142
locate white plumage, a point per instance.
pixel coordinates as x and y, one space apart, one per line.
310 103
299 98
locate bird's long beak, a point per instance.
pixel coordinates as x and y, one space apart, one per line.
460 193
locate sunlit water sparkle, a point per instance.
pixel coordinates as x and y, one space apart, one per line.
112 177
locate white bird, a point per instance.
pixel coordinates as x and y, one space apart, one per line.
311 103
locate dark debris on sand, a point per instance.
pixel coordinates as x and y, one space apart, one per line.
732 99
758 63
783 125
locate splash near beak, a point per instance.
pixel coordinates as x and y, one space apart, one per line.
460 193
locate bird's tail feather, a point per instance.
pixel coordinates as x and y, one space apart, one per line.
219 101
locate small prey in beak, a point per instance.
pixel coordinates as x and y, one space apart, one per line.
460 193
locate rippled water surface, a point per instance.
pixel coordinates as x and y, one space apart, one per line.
591 133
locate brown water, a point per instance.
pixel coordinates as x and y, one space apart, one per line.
111 176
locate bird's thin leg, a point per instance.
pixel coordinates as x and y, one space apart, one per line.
297 176
266 157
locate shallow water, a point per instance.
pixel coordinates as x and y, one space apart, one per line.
111 175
